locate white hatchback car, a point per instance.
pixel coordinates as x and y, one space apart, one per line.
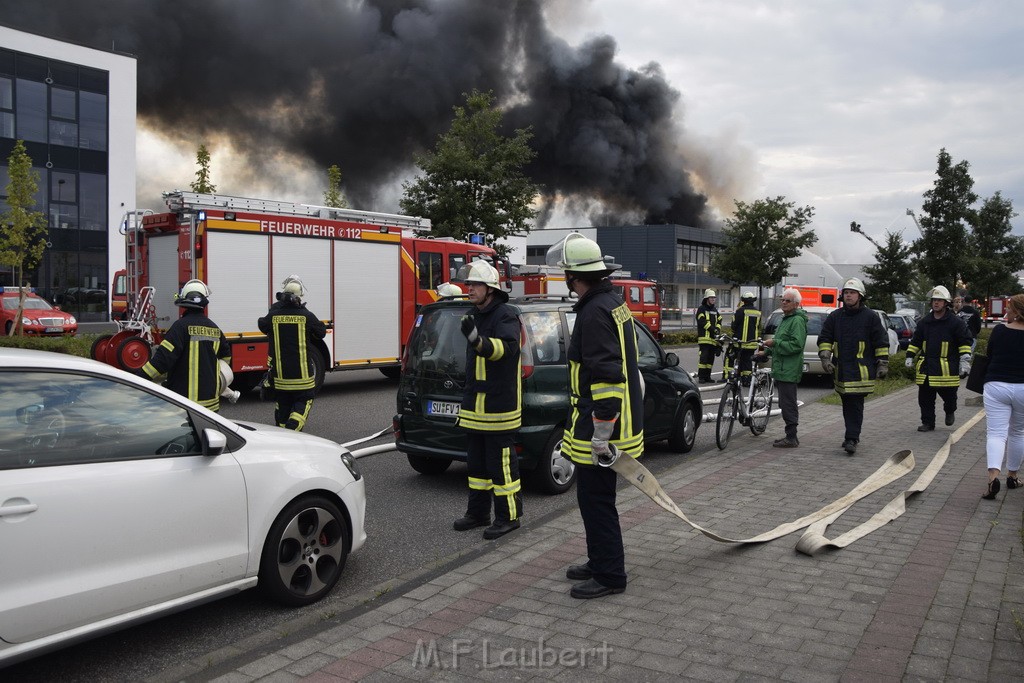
815 319
121 501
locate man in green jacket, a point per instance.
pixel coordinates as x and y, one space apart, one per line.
786 349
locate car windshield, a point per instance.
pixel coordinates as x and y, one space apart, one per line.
31 304
814 322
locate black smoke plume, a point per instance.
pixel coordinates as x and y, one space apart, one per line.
367 84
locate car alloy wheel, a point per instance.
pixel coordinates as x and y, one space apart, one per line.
305 552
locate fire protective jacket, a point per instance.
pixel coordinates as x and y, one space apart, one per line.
493 398
604 377
746 325
188 356
936 348
709 323
857 340
290 329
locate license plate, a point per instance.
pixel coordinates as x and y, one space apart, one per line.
54 329
442 408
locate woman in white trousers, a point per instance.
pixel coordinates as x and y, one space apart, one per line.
1004 399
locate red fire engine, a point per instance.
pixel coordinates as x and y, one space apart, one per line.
365 273
642 297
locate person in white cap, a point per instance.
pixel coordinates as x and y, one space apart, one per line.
709 326
189 351
292 331
854 347
940 353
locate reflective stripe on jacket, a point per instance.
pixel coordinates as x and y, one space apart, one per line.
188 356
291 330
709 323
746 326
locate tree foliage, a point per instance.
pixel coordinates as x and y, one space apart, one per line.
892 274
995 254
333 196
473 180
22 230
761 239
944 224
202 184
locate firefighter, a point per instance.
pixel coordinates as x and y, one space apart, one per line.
940 353
746 326
606 408
189 352
709 326
853 346
292 331
491 410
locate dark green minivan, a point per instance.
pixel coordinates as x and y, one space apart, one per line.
434 372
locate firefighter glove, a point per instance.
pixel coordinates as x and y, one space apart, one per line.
882 369
909 362
965 365
602 434
718 350
469 328
826 361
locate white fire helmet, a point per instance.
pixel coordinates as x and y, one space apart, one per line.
293 285
748 296
579 254
449 289
709 293
855 284
481 272
194 294
940 292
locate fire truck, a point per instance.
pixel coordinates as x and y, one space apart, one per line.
642 297
818 296
365 273
993 309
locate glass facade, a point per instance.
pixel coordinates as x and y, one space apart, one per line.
60 111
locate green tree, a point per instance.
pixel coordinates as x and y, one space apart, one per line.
761 239
947 213
473 181
202 183
333 196
892 274
22 230
995 253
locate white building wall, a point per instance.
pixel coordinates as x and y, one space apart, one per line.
121 104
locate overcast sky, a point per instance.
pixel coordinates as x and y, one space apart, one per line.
843 106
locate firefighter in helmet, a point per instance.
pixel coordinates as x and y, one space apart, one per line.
853 346
940 353
606 408
190 350
491 410
449 289
746 326
709 326
292 331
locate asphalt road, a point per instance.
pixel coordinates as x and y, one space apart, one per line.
408 524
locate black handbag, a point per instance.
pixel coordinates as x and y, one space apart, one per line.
976 378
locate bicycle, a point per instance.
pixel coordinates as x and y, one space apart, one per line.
751 411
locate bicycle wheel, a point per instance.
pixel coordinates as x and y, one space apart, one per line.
728 409
760 406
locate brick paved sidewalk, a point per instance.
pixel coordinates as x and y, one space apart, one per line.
936 594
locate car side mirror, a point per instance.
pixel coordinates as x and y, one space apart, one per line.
671 360
214 442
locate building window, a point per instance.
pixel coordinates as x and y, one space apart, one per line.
431 270
92 201
63 117
31 111
6 107
92 129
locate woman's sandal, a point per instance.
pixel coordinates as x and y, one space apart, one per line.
1013 483
993 489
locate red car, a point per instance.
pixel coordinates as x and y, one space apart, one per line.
39 317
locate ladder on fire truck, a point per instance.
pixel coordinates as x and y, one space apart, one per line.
141 314
180 201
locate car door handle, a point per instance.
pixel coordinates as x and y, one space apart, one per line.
22 509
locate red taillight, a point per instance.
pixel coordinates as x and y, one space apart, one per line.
397 426
906 333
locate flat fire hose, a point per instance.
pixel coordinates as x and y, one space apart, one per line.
896 466
814 539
